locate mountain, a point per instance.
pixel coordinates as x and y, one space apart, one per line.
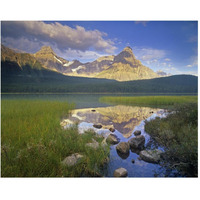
18 63
90 69
48 58
122 67
126 67
22 72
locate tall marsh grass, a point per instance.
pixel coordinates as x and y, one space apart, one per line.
33 144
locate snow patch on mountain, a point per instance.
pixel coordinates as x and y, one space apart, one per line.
58 60
68 64
76 69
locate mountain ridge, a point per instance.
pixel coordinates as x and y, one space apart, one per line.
122 67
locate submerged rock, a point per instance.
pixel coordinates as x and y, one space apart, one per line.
137 142
97 126
152 156
120 172
72 160
123 148
112 139
136 133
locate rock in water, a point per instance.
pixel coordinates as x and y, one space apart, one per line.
123 147
97 126
112 129
112 139
137 133
123 155
72 160
120 172
151 156
137 142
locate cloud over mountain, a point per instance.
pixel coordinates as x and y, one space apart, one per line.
61 36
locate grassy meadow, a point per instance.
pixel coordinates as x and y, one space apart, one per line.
33 144
149 100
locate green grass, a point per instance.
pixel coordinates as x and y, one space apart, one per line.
150 100
178 134
33 144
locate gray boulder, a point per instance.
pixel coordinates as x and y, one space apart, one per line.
137 142
120 172
94 144
137 133
123 148
72 160
151 156
112 139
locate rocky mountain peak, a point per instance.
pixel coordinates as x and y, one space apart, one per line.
46 50
127 49
126 56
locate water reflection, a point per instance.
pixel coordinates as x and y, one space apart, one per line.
125 120
122 118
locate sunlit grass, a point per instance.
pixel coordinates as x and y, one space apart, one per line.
33 144
150 100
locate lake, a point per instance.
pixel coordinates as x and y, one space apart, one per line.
124 119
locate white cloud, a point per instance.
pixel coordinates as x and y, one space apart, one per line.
62 36
149 54
167 59
164 64
193 61
83 56
23 44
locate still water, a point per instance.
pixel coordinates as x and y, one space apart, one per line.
124 119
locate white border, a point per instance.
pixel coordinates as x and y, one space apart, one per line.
105 188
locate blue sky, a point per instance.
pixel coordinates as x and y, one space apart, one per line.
169 46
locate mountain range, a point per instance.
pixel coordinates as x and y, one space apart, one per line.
44 71
122 67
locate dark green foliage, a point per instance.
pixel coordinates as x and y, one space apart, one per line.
32 78
177 133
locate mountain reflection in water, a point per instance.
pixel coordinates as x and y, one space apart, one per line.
122 118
